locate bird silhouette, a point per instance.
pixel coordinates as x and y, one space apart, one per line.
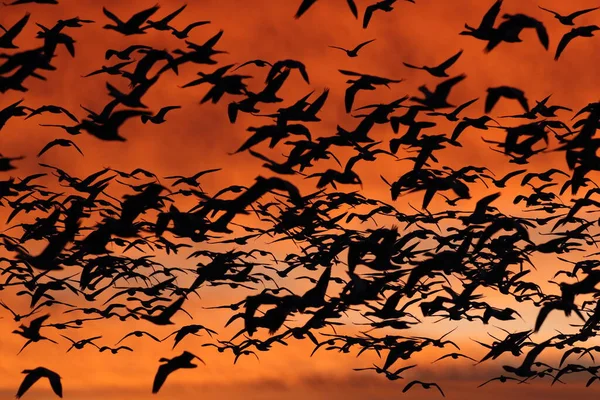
182 361
34 375
355 50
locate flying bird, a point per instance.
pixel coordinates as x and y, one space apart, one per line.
569 19
133 26
439 70
425 385
34 375
183 361
60 142
354 51
581 31
495 93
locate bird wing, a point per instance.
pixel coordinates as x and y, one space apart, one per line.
163 111
29 380
411 66
55 383
458 109
440 389
273 71
542 315
213 40
542 33
194 25
72 143
111 15
363 44
48 146
232 112
141 17
304 6
410 385
302 69
443 89
368 14
69 114
175 13
581 12
490 16
349 97
316 105
550 11
449 62
206 171
460 127
492 98
556 171
17 28
353 8
512 174
161 376
523 101
566 39
344 72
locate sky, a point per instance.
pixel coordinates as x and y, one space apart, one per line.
199 137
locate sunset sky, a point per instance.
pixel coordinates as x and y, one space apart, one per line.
199 137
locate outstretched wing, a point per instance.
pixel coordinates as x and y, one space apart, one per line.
566 39
450 62
304 6
141 17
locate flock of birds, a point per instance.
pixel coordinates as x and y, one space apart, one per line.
394 274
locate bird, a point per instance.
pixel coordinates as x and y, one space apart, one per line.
425 385
191 180
354 52
439 70
110 70
501 183
133 26
569 19
159 117
278 66
182 361
126 53
114 350
495 93
139 334
59 142
34 375
363 82
581 31
53 110
258 63
509 31
184 33
439 97
501 378
454 356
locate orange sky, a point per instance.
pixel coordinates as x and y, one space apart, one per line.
200 137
